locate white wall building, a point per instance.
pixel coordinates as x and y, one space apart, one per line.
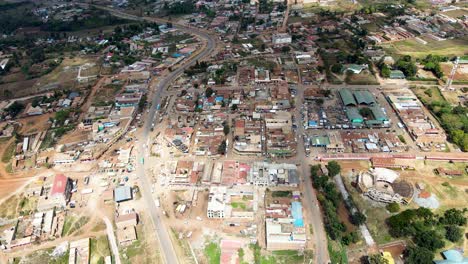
281 38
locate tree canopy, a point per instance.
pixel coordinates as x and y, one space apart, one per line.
333 168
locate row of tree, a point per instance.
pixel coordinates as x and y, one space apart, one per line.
330 199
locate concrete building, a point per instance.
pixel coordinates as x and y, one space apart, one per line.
59 195
126 220
284 227
281 39
217 202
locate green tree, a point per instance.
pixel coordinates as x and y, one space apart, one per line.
61 116
429 239
407 66
376 259
453 217
358 218
393 207
226 128
209 92
418 255
222 148
385 71
453 233
15 108
336 68
333 168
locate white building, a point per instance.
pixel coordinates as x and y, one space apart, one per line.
217 202
281 38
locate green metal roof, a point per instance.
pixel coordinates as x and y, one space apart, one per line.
373 122
378 113
347 97
353 115
397 74
364 97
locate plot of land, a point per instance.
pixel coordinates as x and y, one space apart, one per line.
456 13
449 47
99 249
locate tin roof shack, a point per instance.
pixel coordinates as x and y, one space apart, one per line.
284 226
280 138
79 251
59 195
360 142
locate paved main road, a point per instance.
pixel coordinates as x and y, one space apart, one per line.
167 249
315 215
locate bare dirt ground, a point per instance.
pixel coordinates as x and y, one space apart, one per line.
74 136
34 124
460 75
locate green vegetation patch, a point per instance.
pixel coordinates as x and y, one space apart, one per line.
213 253
8 153
99 249
72 224
281 194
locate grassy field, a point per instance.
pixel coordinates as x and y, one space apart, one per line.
8 209
362 79
99 249
428 94
376 216
72 224
449 47
281 256
43 256
142 250
213 253
9 151
338 6
337 252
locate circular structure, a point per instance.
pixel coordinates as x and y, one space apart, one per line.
384 185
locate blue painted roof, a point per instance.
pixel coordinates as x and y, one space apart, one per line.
452 256
296 211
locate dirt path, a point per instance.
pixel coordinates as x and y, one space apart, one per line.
112 240
88 101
